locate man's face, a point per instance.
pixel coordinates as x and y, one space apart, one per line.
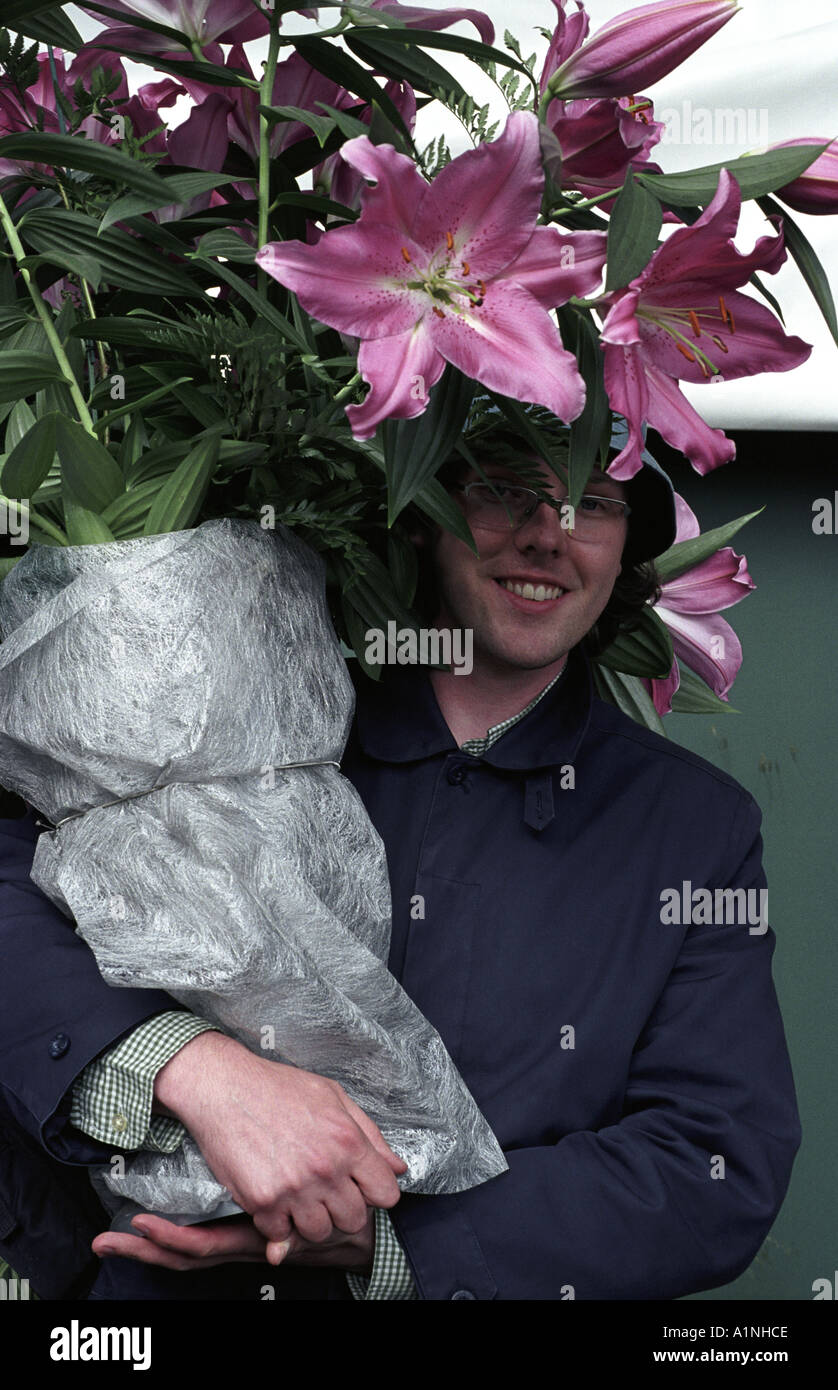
510 630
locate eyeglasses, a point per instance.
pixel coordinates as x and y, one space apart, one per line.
501 506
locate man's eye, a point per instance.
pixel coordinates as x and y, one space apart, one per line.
594 505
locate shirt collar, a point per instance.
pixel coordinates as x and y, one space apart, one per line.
398 720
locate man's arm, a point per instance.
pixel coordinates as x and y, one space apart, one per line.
57 1013
291 1144
676 1197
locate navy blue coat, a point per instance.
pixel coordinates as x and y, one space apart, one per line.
634 1070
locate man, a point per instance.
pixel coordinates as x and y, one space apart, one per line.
634 1070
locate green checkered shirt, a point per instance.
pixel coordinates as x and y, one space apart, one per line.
113 1096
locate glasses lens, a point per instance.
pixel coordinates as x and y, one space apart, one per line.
595 517
499 507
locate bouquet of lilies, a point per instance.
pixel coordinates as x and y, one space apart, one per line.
237 345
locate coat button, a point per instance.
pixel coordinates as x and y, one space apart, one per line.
59 1045
456 775
464 1293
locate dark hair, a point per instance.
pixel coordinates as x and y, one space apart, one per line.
636 585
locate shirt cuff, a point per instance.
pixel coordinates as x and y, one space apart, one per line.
391 1277
113 1096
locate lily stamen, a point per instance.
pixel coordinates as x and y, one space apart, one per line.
720 343
406 254
687 352
695 323
449 241
724 310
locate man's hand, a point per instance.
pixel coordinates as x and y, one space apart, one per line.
234 1240
297 1154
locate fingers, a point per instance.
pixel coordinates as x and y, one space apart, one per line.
371 1131
184 1247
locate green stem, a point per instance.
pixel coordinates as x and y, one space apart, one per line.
266 96
588 203
40 522
45 316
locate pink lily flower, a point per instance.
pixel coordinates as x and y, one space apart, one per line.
569 34
232 114
418 17
452 271
204 21
335 177
816 190
636 48
690 607
601 140
683 319
37 108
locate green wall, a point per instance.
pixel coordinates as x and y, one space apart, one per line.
782 747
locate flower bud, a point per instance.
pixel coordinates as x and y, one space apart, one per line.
639 47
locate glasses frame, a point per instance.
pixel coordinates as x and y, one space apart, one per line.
533 506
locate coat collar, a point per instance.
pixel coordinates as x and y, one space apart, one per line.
398 720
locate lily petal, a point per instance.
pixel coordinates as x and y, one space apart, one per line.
707 644
554 266
354 279
511 345
671 414
487 199
400 370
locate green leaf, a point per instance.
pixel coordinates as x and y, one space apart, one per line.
313 202
24 373
84 527
401 62
633 233
131 331
57 29
685 554
403 564
332 62
646 651
223 241
587 429
180 188
138 21
804 254
131 407
87 267
23 9
75 152
209 74
768 296
415 449
346 124
627 693
179 500
21 419
756 174
452 43
694 697
356 630
128 513
30 460
126 262
440 506
88 472
321 125
263 308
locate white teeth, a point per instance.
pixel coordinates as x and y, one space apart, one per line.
539 593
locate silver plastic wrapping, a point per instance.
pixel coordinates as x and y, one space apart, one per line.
197 662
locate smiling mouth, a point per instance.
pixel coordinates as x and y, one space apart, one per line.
539 593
